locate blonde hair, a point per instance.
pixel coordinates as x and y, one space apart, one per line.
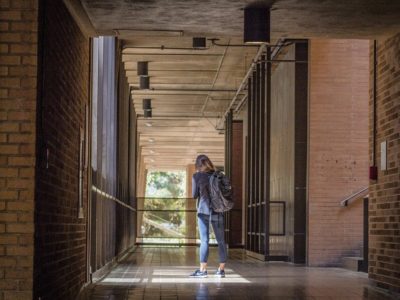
204 164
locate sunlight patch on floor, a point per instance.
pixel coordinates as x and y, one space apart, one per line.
201 280
169 275
120 280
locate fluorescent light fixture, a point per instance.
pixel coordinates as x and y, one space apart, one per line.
148 113
147 103
144 82
142 68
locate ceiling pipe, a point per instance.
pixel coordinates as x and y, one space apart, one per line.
185 90
285 60
242 85
198 43
239 106
153 32
281 43
162 47
213 41
215 78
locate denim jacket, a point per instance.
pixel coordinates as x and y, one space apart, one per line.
201 191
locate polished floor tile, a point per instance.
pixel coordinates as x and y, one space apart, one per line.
162 273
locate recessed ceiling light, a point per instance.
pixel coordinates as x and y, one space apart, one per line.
148 124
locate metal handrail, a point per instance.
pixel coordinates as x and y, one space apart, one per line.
111 197
360 194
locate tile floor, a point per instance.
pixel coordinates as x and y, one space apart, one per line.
162 273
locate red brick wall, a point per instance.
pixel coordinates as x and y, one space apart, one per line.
18 73
338 148
60 245
384 205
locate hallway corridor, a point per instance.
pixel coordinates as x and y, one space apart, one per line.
106 106
162 273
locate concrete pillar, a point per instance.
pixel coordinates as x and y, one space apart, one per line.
190 205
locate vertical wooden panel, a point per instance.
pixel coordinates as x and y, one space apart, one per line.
282 147
267 134
300 154
248 164
253 163
261 157
235 226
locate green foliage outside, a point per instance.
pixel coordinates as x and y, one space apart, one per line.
164 217
164 184
165 192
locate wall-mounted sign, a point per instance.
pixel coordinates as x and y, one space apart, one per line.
383 156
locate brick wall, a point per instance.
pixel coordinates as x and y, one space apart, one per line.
338 148
18 73
60 245
384 212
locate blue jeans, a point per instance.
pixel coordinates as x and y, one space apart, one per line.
217 223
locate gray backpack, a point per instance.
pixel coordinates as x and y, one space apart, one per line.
221 193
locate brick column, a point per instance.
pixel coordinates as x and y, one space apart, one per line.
18 75
338 148
384 197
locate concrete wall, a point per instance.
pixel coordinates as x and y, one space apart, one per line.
60 244
384 212
338 147
18 77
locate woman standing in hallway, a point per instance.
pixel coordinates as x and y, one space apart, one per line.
201 192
